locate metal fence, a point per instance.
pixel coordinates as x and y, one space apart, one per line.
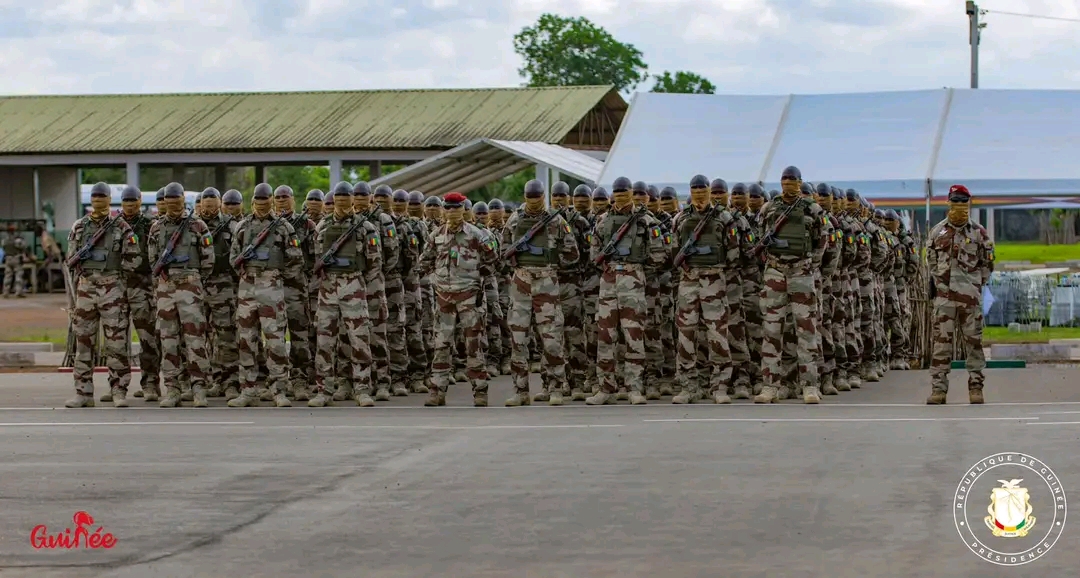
1051 300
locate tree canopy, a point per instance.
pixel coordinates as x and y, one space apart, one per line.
683 82
561 51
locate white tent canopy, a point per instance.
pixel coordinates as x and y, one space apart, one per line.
483 161
894 147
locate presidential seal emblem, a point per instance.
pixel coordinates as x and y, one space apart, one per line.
1008 535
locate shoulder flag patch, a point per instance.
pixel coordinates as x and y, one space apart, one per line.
134 239
207 240
390 232
295 242
566 227
373 241
656 232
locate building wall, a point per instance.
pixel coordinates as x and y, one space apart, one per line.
60 185
16 193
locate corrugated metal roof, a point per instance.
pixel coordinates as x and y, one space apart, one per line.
484 161
401 119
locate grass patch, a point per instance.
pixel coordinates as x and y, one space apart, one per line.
992 335
1036 253
54 336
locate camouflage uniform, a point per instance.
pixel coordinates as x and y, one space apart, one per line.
742 376
100 302
572 301
893 277
142 308
378 307
535 298
668 341
868 307
843 308
458 260
828 273
221 298
590 291
855 337
297 308
343 305
396 341
960 261
493 313
417 235
911 269
788 290
15 253
702 303
621 308
180 299
260 309
751 298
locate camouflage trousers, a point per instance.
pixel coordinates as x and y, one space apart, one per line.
503 284
297 316
572 303
905 353
654 355
395 331
948 318
225 360
736 326
182 328
417 368
787 296
881 339
535 302
494 317
458 309
751 308
100 303
142 307
866 321
852 323
897 335
668 342
590 290
260 314
343 314
14 283
702 308
837 327
621 312
826 343
427 318
379 317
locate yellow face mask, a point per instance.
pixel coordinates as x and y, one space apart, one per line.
161 210
582 204
654 206
383 202
600 206
959 213
434 213
361 203
755 203
623 200
211 207
739 202
699 198
496 217
99 206
416 210
720 199
130 208
893 226
469 216
260 207
455 216
790 189
283 204
235 211
534 204
315 209
641 199
343 206
400 208
558 202
825 201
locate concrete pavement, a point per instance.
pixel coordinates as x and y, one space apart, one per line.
862 485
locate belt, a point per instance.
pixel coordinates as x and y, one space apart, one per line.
623 266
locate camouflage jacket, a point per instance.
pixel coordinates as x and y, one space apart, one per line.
283 237
831 258
863 254
198 235
879 251
850 242
367 238
560 238
120 238
458 260
140 225
960 260
911 254
305 235
656 249
222 230
391 245
582 230
490 283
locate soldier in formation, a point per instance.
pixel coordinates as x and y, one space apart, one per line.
366 294
16 254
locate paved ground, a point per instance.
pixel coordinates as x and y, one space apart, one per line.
861 485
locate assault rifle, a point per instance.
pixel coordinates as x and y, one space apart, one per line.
611 247
249 252
84 252
330 256
690 246
522 245
166 257
225 220
298 218
770 237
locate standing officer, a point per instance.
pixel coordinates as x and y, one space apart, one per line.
314 206
493 315
99 264
748 221
408 255
181 246
571 299
414 233
139 293
538 261
793 241
263 261
502 272
378 308
221 298
708 239
347 246
458 258
960 259
297 313
629 245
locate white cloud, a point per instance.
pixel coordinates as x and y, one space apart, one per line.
743 46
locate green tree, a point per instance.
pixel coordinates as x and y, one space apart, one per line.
683 82
562 51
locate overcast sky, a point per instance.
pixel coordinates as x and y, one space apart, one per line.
743 46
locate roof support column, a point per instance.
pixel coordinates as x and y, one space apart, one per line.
335 171
543 174
220 177
133 174
260 174
991 225
375 168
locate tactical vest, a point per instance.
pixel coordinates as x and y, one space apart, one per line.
10 249
268 255
631 249
186 252
222 244
794 235
710 250
537 254
105 256
349 258
408 243
141 227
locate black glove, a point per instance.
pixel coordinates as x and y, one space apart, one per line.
933 288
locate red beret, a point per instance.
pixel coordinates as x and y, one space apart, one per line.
454 198
961 189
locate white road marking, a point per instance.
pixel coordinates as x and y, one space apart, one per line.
1057 412
1057 423
101 423
438 426
840 419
